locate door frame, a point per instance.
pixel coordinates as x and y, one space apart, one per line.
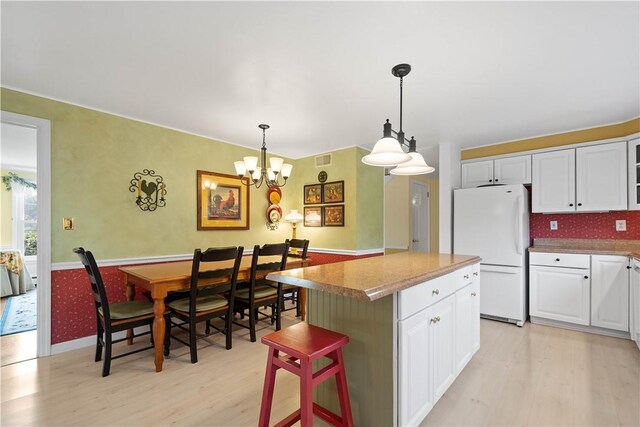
43 129
426 206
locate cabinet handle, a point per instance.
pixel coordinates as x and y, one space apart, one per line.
628 267
579 204
435 292
475 274
496 179
473 294
570 204
586 277
434 320
558 259
490 180
437 318
466 276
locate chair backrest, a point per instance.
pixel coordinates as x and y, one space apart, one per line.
95 280
212 265
302 244
259 266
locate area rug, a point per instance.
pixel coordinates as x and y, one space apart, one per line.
20 314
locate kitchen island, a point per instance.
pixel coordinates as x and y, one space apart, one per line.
414 323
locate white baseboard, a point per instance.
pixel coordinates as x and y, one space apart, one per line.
580 328
88 341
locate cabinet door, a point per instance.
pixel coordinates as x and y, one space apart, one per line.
559 294
634 303
601 177
512 170
553 182
415 382
475 318
477 173
634 174
464 327
610 292
443 339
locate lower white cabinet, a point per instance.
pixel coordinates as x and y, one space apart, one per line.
559 293
634 303
435 341
610 292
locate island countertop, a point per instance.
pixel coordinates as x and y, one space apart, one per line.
369 279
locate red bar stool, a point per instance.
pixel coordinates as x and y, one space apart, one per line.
304 343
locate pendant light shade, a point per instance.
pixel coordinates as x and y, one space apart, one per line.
415 166
386 152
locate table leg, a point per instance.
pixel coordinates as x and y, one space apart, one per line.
158 331
131 293
303 303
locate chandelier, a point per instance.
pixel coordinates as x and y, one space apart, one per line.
388 151
259 174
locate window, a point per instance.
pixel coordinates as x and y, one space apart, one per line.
25 202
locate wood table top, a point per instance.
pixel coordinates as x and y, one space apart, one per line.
372 278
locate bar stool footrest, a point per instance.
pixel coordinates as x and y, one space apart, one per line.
318 410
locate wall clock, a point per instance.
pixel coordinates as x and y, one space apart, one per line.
322 176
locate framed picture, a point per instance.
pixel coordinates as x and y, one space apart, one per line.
313 216
333 192
223 202
334 216
313 194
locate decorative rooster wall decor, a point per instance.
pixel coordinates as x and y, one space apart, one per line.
153 188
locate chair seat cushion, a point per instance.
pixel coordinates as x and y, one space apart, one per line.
261 291
204 303
129 309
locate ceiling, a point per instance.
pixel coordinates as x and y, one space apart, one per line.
18 147
319 72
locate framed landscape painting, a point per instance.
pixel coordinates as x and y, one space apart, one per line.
333 192
223 202
334 216
313 217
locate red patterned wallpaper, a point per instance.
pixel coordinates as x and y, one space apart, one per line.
586 225
72 310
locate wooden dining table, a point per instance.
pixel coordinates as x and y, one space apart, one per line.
160 279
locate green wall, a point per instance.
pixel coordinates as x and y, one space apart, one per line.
95 154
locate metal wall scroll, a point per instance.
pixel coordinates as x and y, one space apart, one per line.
151 191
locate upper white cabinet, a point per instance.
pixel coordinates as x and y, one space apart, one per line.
554 181
585 179
610 292
634 174
509 170
601 177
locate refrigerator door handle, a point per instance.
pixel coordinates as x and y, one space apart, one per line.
519 214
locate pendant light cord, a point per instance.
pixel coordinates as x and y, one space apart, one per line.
400 104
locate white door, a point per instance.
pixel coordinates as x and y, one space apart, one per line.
464 327
559 294
634 174
601 177
502 292
512 170
477 173
415 377
443 341
420 217
610 292
475 317
553 182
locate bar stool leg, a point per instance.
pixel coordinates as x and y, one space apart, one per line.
343 392
306 394
267 391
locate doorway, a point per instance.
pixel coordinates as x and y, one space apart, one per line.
25 246
419 217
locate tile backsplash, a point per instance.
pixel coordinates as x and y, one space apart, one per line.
586 225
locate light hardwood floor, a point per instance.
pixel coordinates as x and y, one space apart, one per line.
536 375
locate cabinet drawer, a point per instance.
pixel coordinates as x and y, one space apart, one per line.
559 260
419 297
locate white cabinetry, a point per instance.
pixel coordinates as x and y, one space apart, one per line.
508 170
439 326
601 177
559 294
610 292
634 174
634 303
553 183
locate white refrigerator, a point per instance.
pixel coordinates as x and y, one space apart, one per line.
493 223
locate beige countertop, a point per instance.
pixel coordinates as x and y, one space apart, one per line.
372 278
629 248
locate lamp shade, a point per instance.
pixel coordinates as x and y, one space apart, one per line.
240 168
286 170
251 163
386 152
415 166
294 216
271 175
276 164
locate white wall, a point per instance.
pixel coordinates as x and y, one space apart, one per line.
449 179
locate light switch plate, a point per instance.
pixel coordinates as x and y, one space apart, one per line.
553 225
621 225
67 223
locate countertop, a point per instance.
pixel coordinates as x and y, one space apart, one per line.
372 278
630 248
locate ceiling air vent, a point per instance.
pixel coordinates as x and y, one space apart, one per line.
323 160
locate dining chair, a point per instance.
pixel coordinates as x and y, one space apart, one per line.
116 317
260 292
214 274
291 292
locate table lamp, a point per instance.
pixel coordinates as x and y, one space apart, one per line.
294 217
